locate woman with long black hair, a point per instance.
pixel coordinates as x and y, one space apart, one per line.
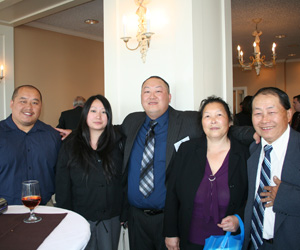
89 173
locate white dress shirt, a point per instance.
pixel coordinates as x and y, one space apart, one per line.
277 158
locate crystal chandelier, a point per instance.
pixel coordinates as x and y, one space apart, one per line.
256 60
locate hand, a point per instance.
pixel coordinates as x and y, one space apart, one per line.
229 223
64 132
172 243
256 137
271 194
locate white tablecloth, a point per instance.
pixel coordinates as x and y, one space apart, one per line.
73 232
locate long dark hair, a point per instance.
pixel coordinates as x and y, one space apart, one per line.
82 153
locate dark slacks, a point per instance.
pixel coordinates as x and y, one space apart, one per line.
104 235
145 231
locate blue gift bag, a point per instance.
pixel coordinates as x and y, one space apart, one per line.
227 241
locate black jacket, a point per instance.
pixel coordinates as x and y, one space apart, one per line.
187 171
91 196
69 119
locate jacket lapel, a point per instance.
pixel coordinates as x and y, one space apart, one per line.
173 130
131 136
288 170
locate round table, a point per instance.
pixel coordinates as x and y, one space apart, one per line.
73 232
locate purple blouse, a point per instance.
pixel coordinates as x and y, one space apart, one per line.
210 204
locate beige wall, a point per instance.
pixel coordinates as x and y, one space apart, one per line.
286 76
60 66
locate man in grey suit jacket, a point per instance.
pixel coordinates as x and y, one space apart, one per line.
271 113
145 220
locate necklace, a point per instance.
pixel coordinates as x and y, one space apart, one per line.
211 178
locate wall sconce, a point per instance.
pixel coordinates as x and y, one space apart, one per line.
1 74
143 35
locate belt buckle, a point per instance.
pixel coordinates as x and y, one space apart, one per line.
149 212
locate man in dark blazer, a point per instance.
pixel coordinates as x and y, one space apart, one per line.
271 114
69 119
145 221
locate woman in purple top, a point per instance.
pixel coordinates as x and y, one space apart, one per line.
207 182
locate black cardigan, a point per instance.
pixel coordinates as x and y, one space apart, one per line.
184 178
91 197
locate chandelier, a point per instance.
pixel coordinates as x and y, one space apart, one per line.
256 61
143 35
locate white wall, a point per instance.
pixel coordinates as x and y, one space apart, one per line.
7 60
189 50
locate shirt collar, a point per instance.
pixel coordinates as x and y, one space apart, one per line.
12 126
280 143
160 120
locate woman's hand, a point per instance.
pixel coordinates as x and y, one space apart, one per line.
64 132
230 223
172 243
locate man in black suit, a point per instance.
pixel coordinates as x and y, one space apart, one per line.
146 214
69 119
296 117
272 214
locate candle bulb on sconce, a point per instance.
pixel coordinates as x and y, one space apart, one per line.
124 20
239 51
148 20
1 75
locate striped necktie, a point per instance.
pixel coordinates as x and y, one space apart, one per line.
259 208
147 176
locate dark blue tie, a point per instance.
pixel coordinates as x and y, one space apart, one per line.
259 208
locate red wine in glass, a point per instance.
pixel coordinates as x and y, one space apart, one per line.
31 198
31 201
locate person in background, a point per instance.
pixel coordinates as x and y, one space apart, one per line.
244 117
207 182
272 213
148 159
296 117
28 147
89 173
69 119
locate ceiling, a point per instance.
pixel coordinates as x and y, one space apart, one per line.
278 18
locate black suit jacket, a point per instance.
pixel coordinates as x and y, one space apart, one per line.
69 119
188 169
294 119
287 201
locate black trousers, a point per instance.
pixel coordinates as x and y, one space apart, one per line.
145 231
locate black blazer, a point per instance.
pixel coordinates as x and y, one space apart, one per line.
187 172
69 119
294 118
89 195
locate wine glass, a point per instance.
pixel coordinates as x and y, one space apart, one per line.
31 197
